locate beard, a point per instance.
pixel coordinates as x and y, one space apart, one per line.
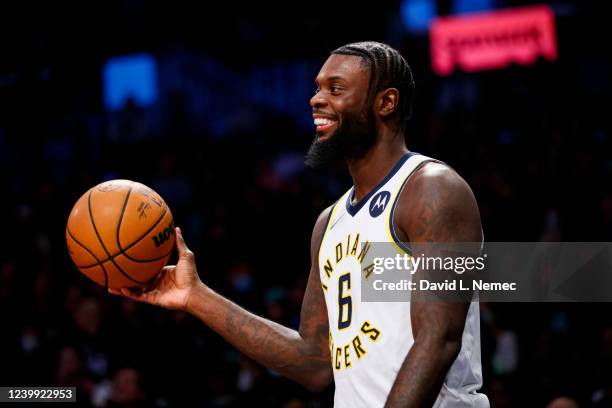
351 140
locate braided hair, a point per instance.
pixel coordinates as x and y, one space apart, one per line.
388 69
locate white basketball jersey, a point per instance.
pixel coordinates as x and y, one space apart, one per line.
370 340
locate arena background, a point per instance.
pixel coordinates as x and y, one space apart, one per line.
219 127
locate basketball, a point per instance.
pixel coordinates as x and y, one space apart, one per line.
120 234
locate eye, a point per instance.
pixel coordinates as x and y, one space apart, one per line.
317 90
334 90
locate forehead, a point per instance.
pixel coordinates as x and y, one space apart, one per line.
348 67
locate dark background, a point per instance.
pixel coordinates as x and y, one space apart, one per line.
224 146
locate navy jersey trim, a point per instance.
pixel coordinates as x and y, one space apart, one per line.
392 213
354 209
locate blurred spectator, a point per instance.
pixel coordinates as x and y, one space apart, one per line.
71 372
505 357
127 389
563 402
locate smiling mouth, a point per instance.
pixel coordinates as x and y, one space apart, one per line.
323 124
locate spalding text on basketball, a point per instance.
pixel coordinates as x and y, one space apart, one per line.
164 235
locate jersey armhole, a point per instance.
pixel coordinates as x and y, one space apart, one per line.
398 243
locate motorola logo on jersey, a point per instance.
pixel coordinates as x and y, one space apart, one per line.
379 203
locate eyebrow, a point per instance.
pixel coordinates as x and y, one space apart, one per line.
332 78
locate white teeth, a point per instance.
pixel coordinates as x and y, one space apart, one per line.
322 121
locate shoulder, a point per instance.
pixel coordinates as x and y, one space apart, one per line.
436 186
435 175
436 203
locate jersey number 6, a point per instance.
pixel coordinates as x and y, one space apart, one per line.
344 300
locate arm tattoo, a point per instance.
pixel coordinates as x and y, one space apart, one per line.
440 208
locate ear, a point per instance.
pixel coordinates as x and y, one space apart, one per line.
387 101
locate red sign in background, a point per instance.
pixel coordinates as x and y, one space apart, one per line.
492 40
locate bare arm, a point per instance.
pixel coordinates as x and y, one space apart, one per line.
300 355
440 207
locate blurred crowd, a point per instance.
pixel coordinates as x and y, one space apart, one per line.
533 142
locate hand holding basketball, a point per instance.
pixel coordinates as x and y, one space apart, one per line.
172 287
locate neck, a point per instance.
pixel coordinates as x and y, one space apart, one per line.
368 171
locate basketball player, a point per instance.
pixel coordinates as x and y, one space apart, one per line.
389 354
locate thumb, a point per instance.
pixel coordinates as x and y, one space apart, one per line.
181 246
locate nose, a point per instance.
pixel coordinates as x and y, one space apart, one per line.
318 100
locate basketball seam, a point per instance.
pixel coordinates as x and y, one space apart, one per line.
131 259
122 250
92 254
102 243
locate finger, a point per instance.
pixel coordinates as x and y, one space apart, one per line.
125 292
134 294
130 293
166 269
154 283
180 244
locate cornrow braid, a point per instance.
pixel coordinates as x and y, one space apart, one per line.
388 69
